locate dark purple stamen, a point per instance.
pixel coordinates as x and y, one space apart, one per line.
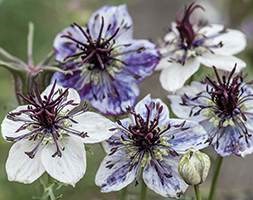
185 27
99 52
44 119
146 133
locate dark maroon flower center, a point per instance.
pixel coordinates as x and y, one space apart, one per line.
185 27
145 132
96 52
225 92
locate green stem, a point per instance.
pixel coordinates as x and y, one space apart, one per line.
143 191
215 177
123 194
197 192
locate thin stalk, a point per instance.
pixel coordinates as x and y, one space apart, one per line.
197 192
123 194
143 191
215 177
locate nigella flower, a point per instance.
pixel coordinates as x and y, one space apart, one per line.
224 108
187 45
49 134
148 139
107 62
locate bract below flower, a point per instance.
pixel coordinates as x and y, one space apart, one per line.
107 62
224 108
149 139
49 134
188 45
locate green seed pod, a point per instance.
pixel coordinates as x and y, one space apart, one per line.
194 167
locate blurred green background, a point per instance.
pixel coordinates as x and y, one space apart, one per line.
151 18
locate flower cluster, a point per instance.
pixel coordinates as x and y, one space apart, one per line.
100 64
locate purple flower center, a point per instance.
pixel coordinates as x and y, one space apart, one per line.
185 27
225 92
100 52
145 133
44 119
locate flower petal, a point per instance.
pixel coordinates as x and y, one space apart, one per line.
64 47
112 97
141 109
115 172
174 76
189 136
71 166
140 58
114 17
226 63
163 177
96 126
211 30
9 127
20 167
192 90
229 142
233 42
116 139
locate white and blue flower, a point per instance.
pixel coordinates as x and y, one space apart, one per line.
106 61
151 142
49 134
187 45
224 108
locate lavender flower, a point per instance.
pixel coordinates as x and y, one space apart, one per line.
224 108
148 139
49 134
187 45
107 62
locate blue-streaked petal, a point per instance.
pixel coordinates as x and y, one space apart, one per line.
109 96
113 98
115 172
114 17
191 91
162 177
64 47
190 135
140 58
229 142
141 109
115 140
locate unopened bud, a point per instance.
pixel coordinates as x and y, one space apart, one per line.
194 167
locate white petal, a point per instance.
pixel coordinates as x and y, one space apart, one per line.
164 63
141 109
22 168
114 174
71 166
156 177
174 76
190 136
211 30
9 127
182 111
225 63
72 95
233 42
96 126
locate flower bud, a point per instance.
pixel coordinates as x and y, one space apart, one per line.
194 167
